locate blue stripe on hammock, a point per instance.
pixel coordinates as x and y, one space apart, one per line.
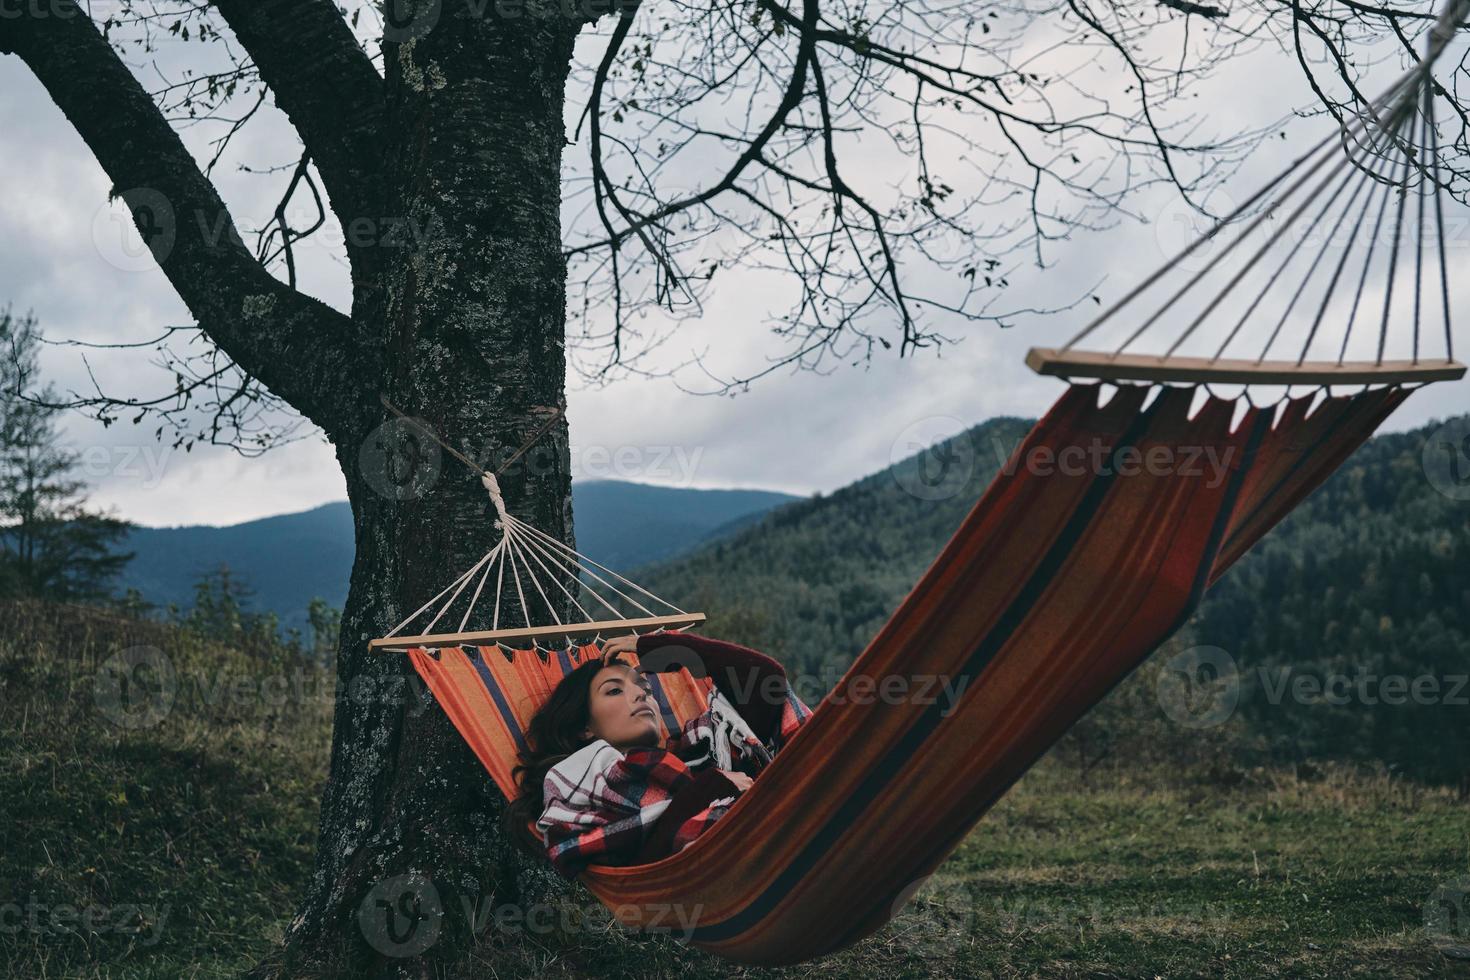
496 695
900 753
671 721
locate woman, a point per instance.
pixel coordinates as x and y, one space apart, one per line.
598 783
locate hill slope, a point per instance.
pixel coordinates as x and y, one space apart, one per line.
1370 576
290 558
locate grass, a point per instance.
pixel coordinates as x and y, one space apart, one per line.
175 844
140 849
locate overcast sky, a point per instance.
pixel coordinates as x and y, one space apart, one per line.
64 255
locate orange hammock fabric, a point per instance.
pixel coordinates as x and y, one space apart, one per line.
1057 584
490 694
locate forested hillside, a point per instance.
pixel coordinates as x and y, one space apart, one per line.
1368 580
1367 583
813 580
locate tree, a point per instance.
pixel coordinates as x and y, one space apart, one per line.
51 544
134 604
445 174
220 608
222 611
325 621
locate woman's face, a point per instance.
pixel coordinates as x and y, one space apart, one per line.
621 708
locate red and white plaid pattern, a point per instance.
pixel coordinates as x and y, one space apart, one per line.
602 803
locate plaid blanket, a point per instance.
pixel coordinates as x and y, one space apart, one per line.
704 741
601 803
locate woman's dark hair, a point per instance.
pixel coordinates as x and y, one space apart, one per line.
554 733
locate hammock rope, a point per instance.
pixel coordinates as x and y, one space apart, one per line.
1382 144
1348 135
1444 275
519 545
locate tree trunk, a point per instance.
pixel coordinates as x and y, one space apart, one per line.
472 309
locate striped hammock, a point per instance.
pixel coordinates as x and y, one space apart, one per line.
1053 588
1058 582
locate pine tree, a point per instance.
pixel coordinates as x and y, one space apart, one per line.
326 630
51 544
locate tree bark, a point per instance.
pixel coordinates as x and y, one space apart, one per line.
446 175
472 315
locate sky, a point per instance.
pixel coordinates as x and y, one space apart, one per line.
72 259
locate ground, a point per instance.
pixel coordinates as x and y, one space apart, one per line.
176 843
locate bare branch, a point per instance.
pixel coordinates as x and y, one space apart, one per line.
734 135
328 88
1199 9
300 348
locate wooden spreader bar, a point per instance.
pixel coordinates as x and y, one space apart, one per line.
1151 367
399 644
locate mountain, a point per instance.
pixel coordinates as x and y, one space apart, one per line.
1367 581
812 580
290 558
1362 594
624 525
1350 622
287 559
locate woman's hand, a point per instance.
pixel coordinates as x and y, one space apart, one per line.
620 644
741 780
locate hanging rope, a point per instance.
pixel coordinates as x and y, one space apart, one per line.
1444 275
1348 133
519 545
1331 186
